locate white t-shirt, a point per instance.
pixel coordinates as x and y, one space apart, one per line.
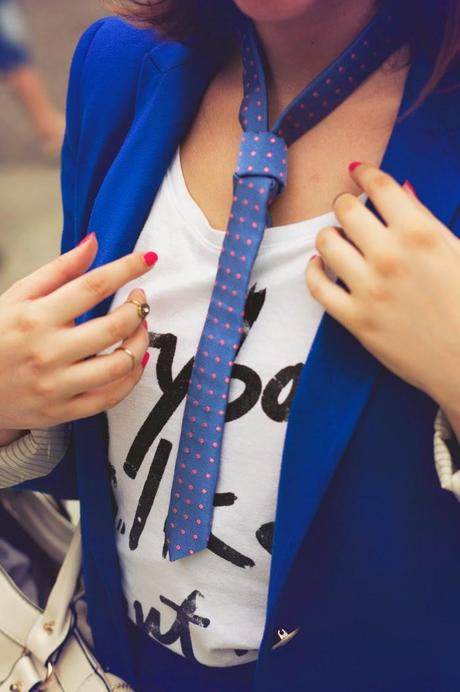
210 606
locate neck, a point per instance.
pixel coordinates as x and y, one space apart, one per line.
298 49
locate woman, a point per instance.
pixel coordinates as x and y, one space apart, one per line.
359 554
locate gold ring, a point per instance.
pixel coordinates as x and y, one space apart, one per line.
143 309
128 353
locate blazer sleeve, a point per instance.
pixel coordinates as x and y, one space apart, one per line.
69 154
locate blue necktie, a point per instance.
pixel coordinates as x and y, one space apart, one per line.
260 176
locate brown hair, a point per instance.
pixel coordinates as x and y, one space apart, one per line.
434 27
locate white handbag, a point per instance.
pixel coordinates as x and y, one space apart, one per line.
50 648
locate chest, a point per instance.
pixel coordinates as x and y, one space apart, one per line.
359 129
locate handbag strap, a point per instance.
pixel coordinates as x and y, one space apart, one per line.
52 627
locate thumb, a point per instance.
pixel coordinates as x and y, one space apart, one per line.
56 273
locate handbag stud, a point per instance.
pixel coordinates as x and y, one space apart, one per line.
49 626
16 687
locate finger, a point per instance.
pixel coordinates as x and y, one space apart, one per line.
393 203
103 332
102 370
56 273
342 257
361 226
447 234
100 399
78 296
335 300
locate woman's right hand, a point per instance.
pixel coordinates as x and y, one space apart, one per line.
49 370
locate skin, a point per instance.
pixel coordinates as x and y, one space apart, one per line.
401 276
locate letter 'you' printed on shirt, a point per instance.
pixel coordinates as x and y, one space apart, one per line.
275 404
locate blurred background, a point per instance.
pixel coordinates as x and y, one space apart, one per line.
32 100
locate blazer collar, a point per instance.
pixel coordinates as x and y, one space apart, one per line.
339 374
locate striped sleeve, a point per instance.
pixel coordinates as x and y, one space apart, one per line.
446 455
33 455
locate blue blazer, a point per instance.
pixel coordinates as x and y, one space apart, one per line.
366 549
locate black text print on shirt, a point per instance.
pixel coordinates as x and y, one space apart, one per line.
174 390
180 629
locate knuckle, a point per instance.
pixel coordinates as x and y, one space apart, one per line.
111 400
378 293
314 286
388 263
321 243
134 378
118 368
116 330
323 237
378 182
27 320
344 202
43 389
38 360
364 323
423 236
134 264
17 287
96 283
61 266
137 262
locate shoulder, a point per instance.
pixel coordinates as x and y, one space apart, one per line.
114 41
104 73
109 55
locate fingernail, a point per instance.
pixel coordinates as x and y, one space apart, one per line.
313 257
150 258
86 238
144 324
145 359
353 165
409 187
142 291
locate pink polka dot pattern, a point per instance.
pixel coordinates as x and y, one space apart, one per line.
260 175
369 50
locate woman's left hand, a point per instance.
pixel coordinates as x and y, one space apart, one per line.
403 281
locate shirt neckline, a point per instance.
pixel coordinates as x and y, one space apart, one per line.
304 231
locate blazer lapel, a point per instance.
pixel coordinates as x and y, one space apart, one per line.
339 374
171 86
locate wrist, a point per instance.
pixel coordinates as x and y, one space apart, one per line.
9 436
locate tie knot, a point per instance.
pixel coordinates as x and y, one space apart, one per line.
263 154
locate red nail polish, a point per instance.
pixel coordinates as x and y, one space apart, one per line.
150 258
145 359
144 324
409 187
313 257
353 165
86 238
